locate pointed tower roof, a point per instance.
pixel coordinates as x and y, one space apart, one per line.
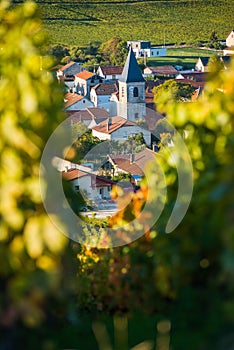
131 72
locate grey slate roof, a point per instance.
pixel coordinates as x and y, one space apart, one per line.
131 72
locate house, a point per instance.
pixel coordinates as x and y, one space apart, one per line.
75 102
135 164
230 39
161 71
110 72
202 64
89 184
69 70
118 129
144 49
84 81
194 76
89 116
101 93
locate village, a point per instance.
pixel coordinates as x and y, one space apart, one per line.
115 104
116 228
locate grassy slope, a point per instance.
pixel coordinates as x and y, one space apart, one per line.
79 23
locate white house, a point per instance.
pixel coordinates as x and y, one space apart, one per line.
230 39
84 81
110 72
101 93
202 64
69 70
91 186
118 129
144 49
75 102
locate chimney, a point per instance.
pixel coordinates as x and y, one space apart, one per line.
108 124
132 158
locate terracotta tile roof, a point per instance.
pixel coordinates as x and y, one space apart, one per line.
105 89
67 66
88 114
115 124
111 70
79 116
196 76
167 70
84 75
152 117
98 112
73 174
122 161
71 98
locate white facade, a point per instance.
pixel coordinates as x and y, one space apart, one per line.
83 103
230 39
102 101
80 105
144 49
153 52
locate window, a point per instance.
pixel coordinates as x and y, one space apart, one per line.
83 101
136 116
135 92
113 76
77 188
152 53
122 91
157 53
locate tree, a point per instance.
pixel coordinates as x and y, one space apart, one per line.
214 42
31 247
84 142
59 51
114 51
172 91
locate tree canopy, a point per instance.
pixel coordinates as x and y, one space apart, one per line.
173 91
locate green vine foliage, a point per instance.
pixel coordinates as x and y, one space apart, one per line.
31 106
185 276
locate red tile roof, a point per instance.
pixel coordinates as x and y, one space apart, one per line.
115 123
73 174
84 75
111 70
122 161
105 89
71 98
67 66
167 70
87 114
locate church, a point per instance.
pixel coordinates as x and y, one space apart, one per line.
129 101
